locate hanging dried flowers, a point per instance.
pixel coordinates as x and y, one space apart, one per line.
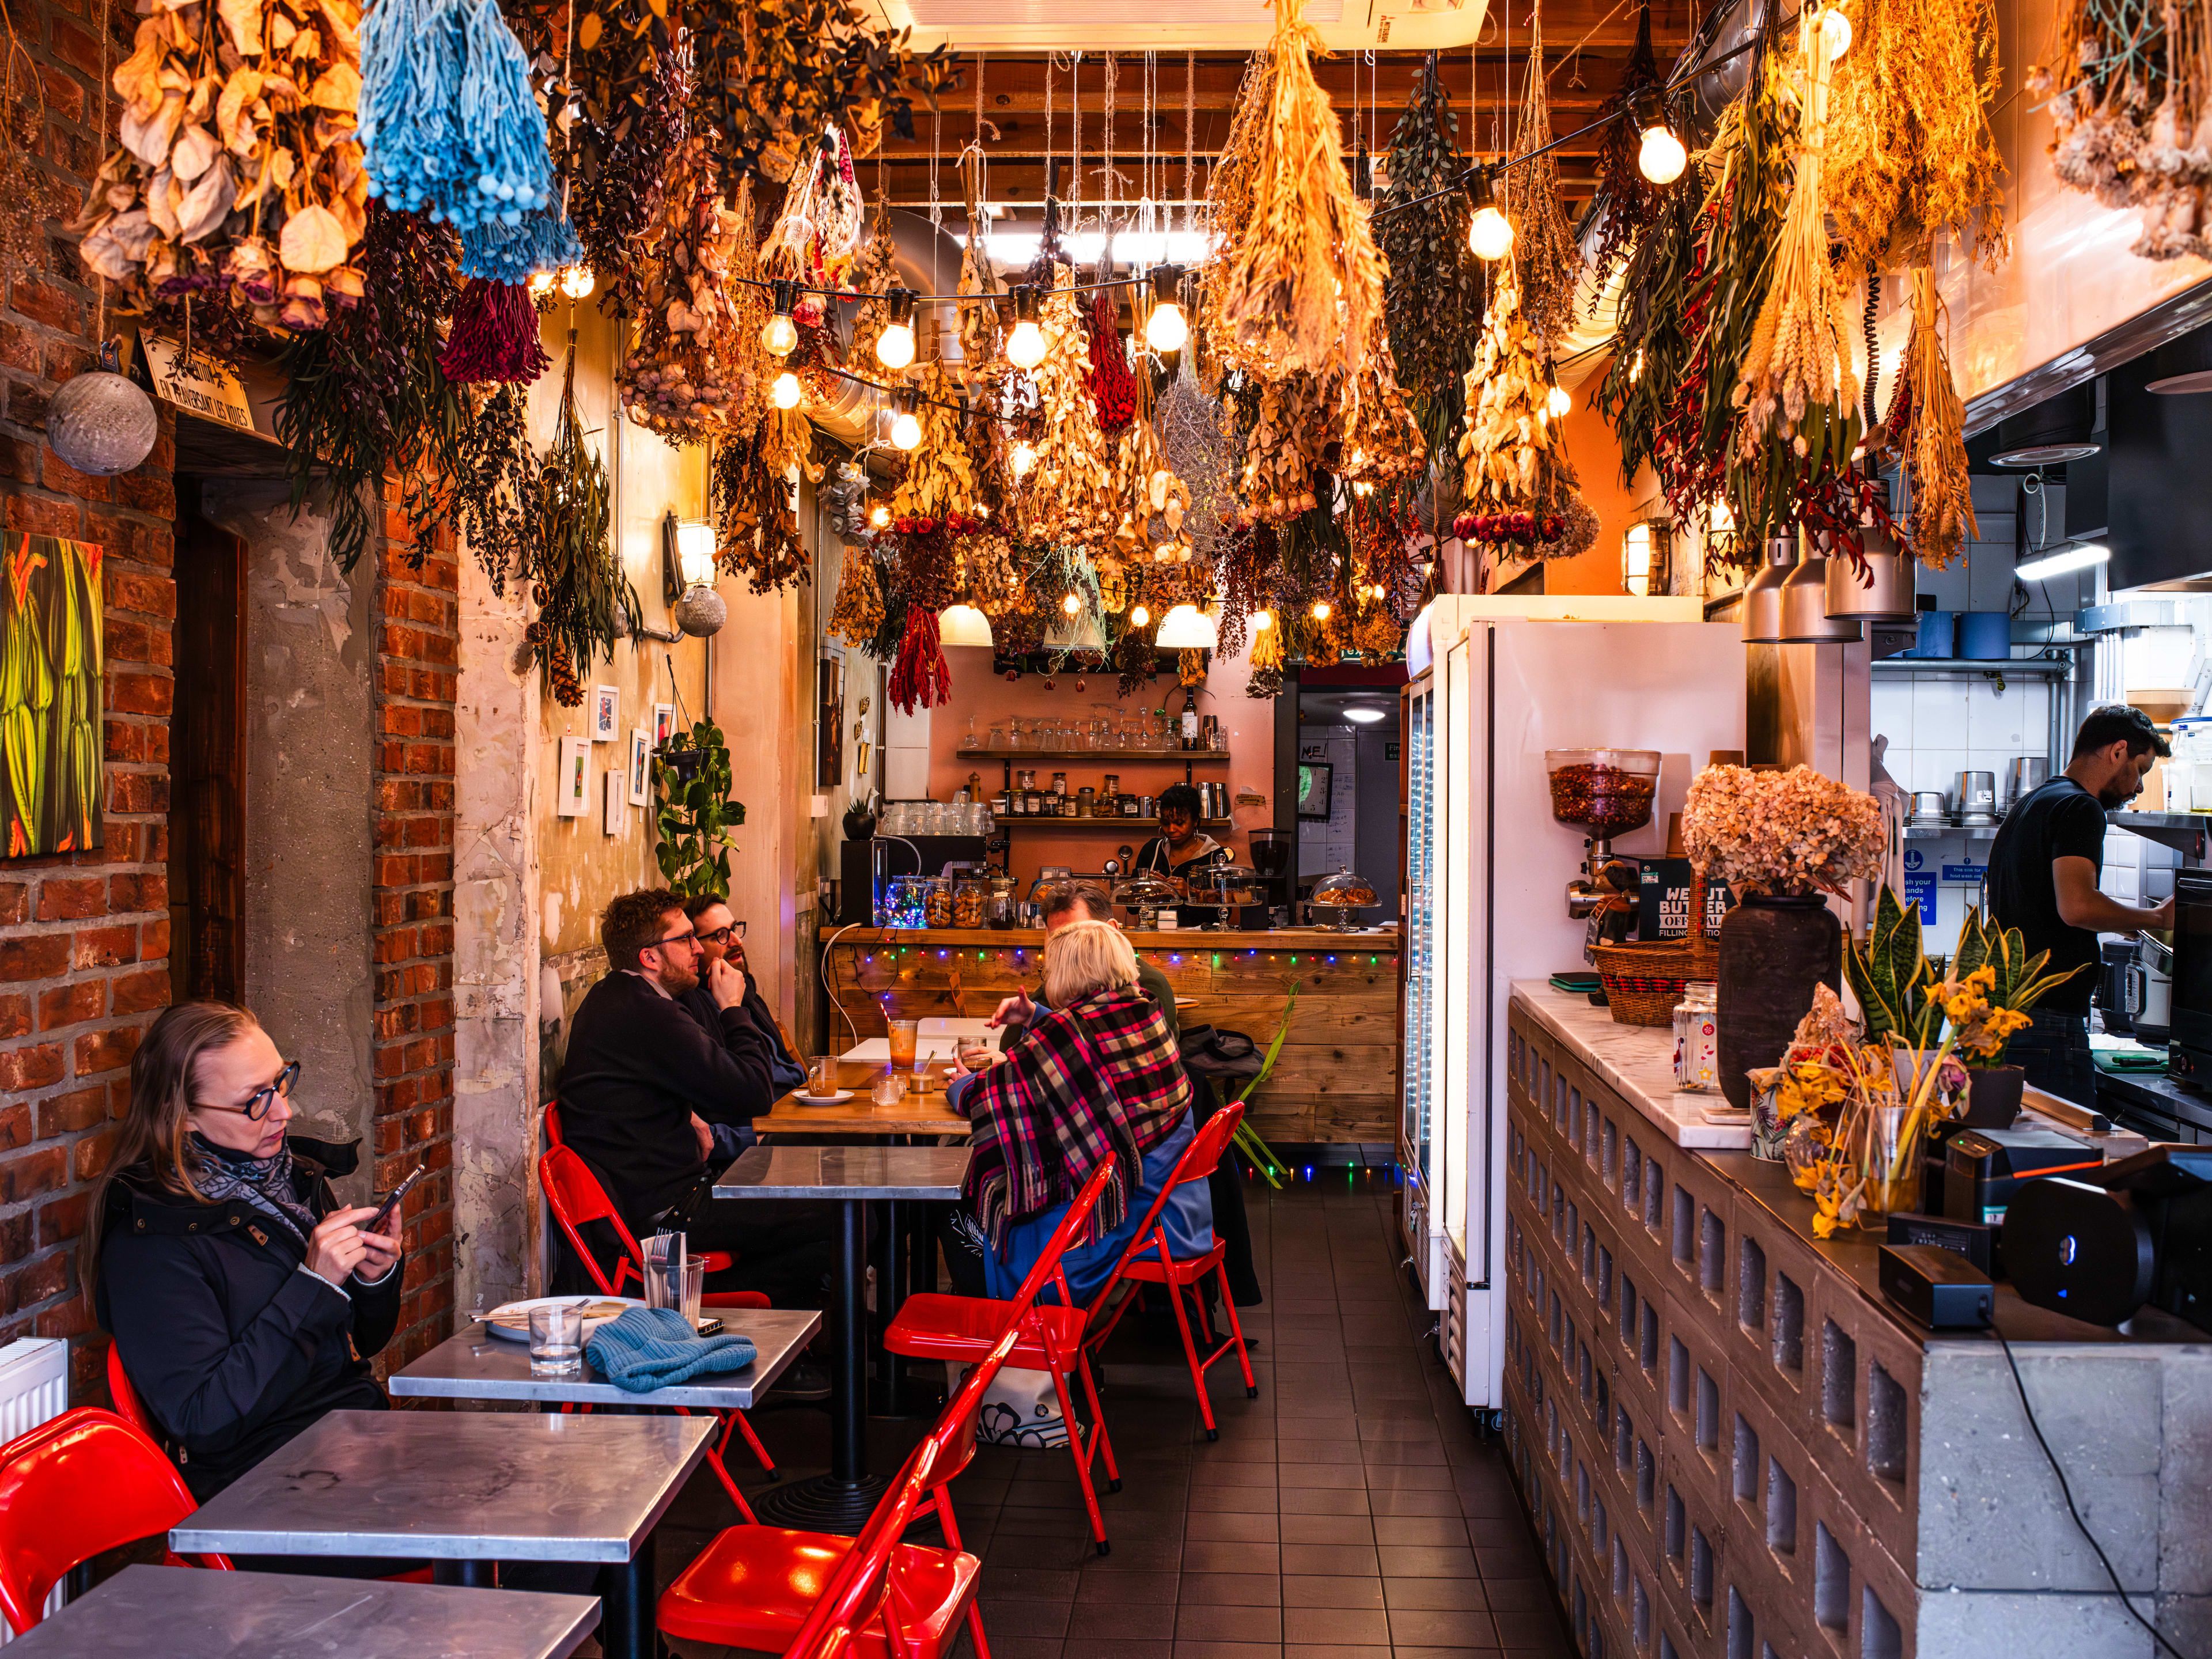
871 276
1068 494
1925 429
240 175
980 339
1194 446
1544 249
684 378
494 336
1113 388
1299 279
1155 502
755 531
495 486
1432 298
1229 198
858 611
584 605
1628 204
625 85
23 203
1297 422
939 481
818 229
1910 152
1521 488
1382 443
1796 388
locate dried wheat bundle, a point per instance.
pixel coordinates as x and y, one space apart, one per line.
1797 383
1926 426
1545 251
1229 211
1910 150
1302 282
859 613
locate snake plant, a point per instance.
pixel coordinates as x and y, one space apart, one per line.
1892 977
2019 981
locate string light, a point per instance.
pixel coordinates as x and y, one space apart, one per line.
1661 158
541 284
1320 610
1139 617
1262 621
906 430
785 392
1835 32
1489 232
1023 460
779 335
577 282
880 517
1072 604
1166 330
894 345
1026 345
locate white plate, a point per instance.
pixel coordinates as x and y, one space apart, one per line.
805 1099
519 1312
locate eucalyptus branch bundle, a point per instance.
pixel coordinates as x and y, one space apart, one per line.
1521 488
1796 388
630 93
1297 422
1925 428
858 613
756 531
492 472
1229 198
873 276
1545 253
939 481
1193 445
1432 298
1382 443
1629 206
1911 153
583 602
1300 280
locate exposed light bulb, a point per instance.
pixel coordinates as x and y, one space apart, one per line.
1166 330
1661 158
1635 369
1026 345
1139 617
541 284
906 431
880 517
577 282
1262 621
1558 400
1023 460
1320 610
778 337
1835 32
785 392
1072 604
1490 235
895 346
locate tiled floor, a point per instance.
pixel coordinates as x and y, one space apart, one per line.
1349 1509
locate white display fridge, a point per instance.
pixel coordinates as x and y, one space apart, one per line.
1501 680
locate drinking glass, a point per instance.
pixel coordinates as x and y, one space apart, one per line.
556 1340
889 1089
904 1034
822 1075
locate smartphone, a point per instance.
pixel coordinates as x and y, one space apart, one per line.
710 1327
382 1219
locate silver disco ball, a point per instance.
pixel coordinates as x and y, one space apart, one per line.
700 611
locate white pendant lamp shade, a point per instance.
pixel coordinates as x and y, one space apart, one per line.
1187 627
963 624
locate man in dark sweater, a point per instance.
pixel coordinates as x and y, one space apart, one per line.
722 938
640 1080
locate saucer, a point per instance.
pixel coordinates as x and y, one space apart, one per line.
805 1099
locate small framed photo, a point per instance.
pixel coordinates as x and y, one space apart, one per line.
641 764
606 708
572 788
616 811
664 724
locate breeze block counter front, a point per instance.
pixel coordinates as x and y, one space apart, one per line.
1732 1446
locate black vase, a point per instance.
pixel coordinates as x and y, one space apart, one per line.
1993 1097
860 822
1774 952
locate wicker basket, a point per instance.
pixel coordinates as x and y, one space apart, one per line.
1643 982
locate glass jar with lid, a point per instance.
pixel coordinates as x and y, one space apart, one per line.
1341 895
937 905
1001 910
1696 1039
971 897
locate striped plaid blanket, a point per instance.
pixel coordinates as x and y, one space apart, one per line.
1098 1078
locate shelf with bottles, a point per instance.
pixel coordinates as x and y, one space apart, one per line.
1102 826
1105 757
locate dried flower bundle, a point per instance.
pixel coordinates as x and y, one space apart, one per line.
1432 299
1113 387
756 531
1195 448
1295 422
858 611
1300 280
939 481
1926 428
1068 496
23 203
1628 204
578 584
684 377
1544 249
1910 154
1780 832
1382 441
980 339
1514 455
1229 209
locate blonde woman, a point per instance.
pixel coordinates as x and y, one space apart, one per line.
242 1296
1096 1075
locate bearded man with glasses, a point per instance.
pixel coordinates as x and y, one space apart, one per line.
722 938
644 1083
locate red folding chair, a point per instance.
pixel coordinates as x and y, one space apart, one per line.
553 1124
73 1488
754 1587
576 1196
1148 1262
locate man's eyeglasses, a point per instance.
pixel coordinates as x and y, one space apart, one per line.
735 930
258 1104
687 938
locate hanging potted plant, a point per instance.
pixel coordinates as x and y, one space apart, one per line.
2015 983
1780 841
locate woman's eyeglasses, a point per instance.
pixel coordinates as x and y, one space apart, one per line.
258 1104
735 930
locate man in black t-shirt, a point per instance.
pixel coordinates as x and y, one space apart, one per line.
2042 880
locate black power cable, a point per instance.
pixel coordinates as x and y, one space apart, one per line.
2066 1491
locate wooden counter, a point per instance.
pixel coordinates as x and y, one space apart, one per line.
1336 1079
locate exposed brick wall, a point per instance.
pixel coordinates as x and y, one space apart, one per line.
84 939
418 673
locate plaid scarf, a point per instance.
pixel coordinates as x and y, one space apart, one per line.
1098 1078
264 1182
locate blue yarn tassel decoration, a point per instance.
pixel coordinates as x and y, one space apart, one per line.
512 170
501 253
412 55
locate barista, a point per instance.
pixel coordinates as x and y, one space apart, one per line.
2044 871
1182 847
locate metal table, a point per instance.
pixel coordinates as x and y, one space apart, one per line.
468 1488
189 1613
476 1366
841 1500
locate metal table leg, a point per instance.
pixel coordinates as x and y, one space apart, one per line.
475 1574
626 1606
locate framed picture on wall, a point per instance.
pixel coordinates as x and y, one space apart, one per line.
606 709
50 788
830 724
664 724
1315 778
572 796
614 811
641 764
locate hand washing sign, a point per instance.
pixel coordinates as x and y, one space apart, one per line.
1972 874
1920 889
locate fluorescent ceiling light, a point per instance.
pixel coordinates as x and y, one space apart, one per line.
2066 559
1173 247
1363 716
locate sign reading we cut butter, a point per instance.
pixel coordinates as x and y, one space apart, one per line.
199 384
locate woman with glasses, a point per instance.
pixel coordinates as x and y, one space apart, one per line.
243 1297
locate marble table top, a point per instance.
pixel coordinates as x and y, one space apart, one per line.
1638 1061
475 1366
902 1172
189 1613
456 1486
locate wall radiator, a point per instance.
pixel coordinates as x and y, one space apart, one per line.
33 1386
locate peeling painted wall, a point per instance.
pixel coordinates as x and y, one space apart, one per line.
310 728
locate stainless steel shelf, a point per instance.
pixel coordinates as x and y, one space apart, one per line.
2182 832
2041 667
1103 757
1950 831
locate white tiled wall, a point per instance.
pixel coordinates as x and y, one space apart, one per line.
1939 725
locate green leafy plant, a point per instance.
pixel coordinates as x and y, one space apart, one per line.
2019 982
1892 977
695 815
1247 1138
